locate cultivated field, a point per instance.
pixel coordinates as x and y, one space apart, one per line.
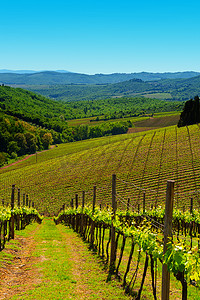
143 162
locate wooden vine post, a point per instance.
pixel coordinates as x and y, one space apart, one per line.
191 224
191 206
92 222
12 219
18 204
27 200
167 236
24 200
144 196
83 204
76 217
18 198
94 198
128 204
114 208
76 200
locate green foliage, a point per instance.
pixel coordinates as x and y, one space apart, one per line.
18 138
177 257
3 158
52 115
191 112
5 212
32 108
41 111
84 132
169 89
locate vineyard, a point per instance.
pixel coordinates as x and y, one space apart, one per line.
143 162
16 217
136 243
130 240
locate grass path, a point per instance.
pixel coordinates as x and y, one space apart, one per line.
52 262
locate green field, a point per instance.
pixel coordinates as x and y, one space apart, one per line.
143 161
172 117
157 95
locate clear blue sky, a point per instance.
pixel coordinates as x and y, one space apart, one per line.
104 36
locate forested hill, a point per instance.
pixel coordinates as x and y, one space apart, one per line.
47 119
31 107
167 89
52 78
52 114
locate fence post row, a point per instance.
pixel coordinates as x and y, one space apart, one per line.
87 229
18 218
167 236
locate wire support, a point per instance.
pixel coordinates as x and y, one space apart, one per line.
188 193
153 222
139 188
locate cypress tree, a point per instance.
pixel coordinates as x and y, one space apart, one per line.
191 112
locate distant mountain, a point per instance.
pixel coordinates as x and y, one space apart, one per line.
28 71
64 77
18 71
168 89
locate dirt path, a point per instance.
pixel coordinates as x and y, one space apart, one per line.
17 273
52 262
27 157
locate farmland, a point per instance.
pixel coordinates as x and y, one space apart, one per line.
143 162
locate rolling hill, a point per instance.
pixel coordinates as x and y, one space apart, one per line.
166 89
52 114
142 162
53 77
74 87
49 118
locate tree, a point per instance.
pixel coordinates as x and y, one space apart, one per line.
47 140
21 143
31 142
3 158
12 147
191 112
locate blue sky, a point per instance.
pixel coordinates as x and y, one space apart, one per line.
100 36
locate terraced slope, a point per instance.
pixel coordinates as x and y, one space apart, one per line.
143 162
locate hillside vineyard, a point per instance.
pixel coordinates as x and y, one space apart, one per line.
142 162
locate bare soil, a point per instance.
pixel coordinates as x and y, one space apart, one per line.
19 275
27 157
